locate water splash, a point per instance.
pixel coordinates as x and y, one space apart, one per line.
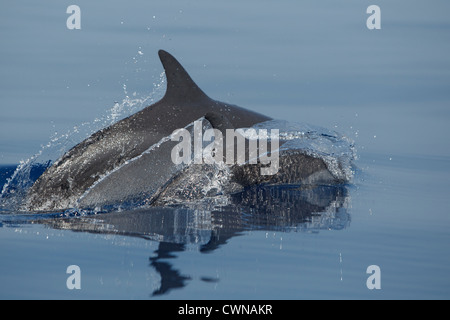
27 172
336 150
208 184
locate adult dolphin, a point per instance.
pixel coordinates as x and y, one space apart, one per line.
96 169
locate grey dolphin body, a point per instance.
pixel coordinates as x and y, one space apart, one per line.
112 164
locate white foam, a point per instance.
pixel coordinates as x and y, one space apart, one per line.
336 150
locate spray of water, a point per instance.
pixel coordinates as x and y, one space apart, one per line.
15 188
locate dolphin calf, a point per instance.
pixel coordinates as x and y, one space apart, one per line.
130 160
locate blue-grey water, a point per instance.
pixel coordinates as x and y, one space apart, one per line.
308 61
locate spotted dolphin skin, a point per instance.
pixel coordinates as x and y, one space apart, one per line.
114 164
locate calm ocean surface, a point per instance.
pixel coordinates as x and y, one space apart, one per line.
306 61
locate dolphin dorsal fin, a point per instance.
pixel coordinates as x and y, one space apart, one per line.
180 86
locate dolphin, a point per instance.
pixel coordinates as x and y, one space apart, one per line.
130 160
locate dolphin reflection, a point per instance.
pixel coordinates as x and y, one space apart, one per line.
276 208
